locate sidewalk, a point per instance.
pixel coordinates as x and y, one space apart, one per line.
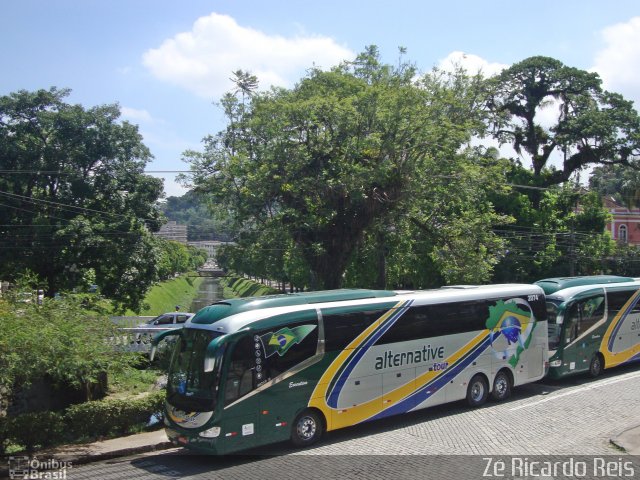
106 449
628 440
116 447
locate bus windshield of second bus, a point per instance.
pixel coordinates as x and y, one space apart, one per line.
190 385
554 323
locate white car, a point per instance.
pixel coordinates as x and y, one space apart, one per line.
167 321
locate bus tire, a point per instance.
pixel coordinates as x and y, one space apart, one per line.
501 386
597 365
477 391
307 428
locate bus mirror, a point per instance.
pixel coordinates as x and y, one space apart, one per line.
209 363
158 338
210 354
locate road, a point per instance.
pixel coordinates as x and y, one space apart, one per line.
576 417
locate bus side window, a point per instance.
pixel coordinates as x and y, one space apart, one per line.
592 312
341 329
582 316
572 323
240 374
617 300
279 362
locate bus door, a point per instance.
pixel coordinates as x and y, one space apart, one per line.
240 407
283 356
581 333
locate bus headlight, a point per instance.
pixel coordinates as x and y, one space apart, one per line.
211 433
556 363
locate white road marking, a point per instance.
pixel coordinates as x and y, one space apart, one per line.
591 386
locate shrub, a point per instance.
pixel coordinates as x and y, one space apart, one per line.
3 434
35 429
117 416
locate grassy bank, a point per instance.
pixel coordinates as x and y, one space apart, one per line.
234 287
164 296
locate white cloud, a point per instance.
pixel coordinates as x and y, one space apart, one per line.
203 59
136 115
471 63
618 62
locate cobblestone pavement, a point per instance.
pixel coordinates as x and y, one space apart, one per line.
575 417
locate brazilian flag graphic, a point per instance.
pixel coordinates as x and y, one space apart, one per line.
285 338
511 324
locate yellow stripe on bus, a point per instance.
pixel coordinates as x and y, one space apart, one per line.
612 359
344 417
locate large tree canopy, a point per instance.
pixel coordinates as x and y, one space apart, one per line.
589 125
73 195
310 170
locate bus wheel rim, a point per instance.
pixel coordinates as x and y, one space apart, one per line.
477 391
306 428
501 386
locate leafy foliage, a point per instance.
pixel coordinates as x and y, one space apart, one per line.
54 340
309 172
203 217
590 125
77 199
557 231
619 182
85 421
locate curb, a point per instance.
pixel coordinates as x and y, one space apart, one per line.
96 457
77 459
619 442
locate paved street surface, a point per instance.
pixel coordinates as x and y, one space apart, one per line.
576 417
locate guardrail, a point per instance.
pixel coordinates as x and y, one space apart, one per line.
130 322
133 338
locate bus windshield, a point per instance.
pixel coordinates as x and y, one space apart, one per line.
554 328
189 387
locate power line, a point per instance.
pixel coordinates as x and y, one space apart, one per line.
60 172
67 207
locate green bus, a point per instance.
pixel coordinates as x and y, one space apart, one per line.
593 326
552 285
249 372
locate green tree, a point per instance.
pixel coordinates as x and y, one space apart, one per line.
176 257
617 181
205 219
74 196
345 150
558 230
593 126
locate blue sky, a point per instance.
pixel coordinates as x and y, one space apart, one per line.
166 62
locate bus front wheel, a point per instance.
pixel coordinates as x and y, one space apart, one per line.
596 366
477 391
307 428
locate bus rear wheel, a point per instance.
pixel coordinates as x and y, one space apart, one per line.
307 428
477 391
596 366
501 387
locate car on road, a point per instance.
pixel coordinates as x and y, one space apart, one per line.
167 321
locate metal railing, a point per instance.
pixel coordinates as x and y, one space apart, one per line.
133 338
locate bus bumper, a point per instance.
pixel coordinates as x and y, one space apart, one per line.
192 442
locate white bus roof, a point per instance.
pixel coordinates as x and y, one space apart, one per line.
238 321
568 293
